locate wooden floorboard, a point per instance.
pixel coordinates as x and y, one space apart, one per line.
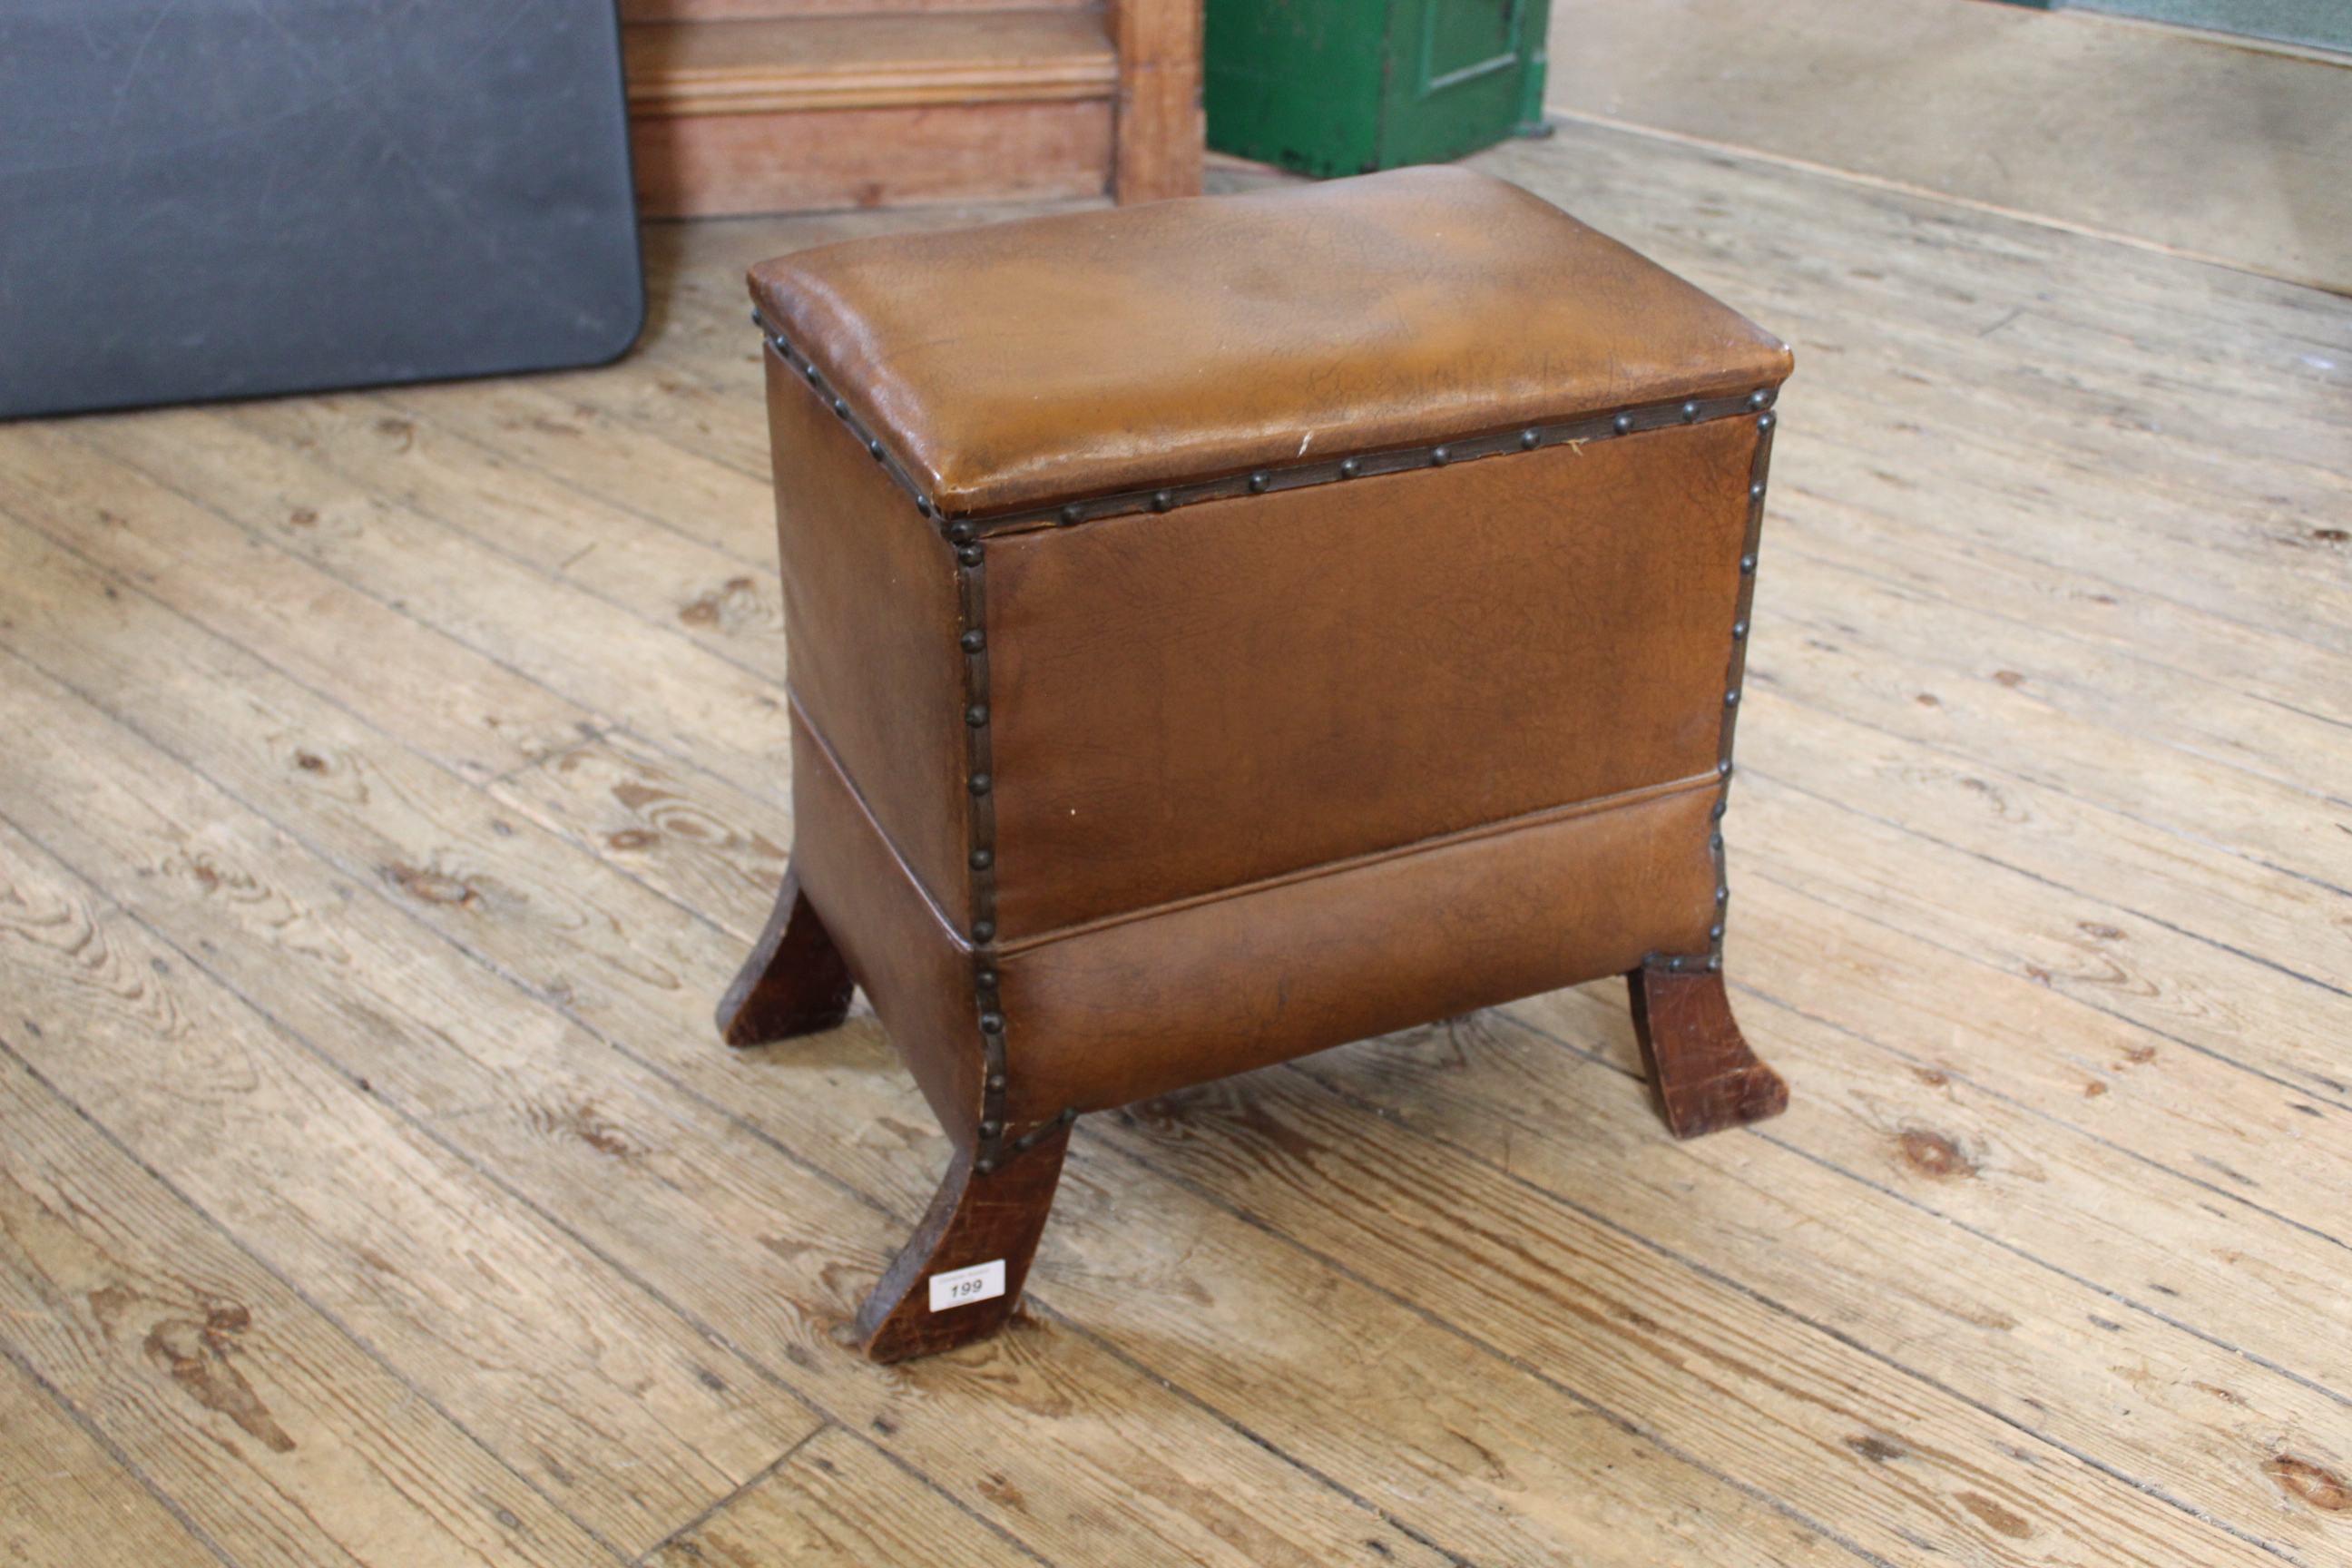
276 1435
66 1502
395 778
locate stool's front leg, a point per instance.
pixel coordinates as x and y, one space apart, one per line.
795 982
974 1222
1702 1073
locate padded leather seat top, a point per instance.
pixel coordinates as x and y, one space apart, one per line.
1025 363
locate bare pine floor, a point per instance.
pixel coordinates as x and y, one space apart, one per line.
392 781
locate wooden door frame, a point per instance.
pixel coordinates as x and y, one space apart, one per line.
1160 134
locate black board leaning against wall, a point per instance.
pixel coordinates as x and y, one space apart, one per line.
228 198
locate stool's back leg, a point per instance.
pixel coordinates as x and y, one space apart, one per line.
795 982
1702 1074
973 1222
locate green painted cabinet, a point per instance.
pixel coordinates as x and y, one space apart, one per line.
1345 87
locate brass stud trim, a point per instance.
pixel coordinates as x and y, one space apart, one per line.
989 1153
1735 674
1263 481
1166 498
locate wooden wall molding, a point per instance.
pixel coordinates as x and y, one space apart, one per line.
948 103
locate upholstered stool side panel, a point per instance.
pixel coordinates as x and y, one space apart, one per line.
1137 1008
1250 687
871 619
915 974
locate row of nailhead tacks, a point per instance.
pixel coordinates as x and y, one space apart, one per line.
991 1151
1758 467
1628 422
965 531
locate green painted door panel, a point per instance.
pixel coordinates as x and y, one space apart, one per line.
1345 87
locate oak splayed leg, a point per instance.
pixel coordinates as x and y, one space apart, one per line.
795 982
961 1277
1702 1074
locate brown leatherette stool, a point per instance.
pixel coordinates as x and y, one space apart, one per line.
1225 629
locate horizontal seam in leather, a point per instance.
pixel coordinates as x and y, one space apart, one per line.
1543 818
849 786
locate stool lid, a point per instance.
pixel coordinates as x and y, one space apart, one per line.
1024 364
